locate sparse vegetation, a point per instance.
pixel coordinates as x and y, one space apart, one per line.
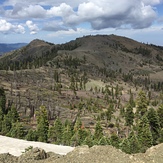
97 96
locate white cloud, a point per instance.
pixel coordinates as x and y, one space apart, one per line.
68 32
152 2
100 14
32 27
6 27
19 29
107 14
45 3
63 10
54 26
31 11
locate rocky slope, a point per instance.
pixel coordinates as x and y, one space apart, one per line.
83 154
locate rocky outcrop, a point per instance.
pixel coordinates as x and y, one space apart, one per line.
32 155
8 158
84 154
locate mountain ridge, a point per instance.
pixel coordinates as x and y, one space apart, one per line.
110 52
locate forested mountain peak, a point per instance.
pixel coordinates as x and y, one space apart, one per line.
38 42
104 51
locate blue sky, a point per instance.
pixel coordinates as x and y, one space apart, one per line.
60 21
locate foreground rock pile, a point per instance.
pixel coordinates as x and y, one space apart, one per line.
96 154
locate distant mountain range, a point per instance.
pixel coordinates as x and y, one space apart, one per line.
4 48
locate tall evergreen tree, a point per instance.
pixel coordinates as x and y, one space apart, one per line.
160 115
79 136
160 140
6 124
104 141
1 118
31 135
141 104
129 115
67 134
79 133
78 124
17 130
154 124
125 146
3 100
131 100
88 140
98 131
144 134
109 112
134 143
42 124
56 131
114 140
13 114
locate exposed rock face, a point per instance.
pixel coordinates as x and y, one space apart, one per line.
32 155
8 158
84 154
96 154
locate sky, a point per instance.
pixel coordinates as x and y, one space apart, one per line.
59 21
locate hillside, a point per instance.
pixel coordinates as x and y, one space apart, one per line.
105 51
96 90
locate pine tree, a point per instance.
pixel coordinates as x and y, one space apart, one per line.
134 143
160 139
109 112
31 135
141 104
129 115
78 124
98 131
125 146
79 137
42 124
75 139
1 118
3 100
6 124
144 134
84 79
72 85
160 115
131 100
79 133
154 124
67 134
117 91
56 76
56 131
114 140
103 141
17 130
83 133
88 140
13 114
